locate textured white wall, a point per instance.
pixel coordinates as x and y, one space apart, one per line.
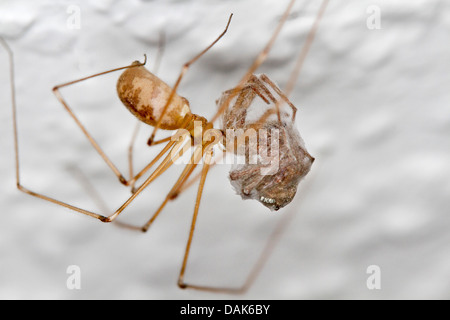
373 110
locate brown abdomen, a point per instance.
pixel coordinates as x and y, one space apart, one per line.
145 95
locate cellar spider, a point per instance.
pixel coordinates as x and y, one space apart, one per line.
157 104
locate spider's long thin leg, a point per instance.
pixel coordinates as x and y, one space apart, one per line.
163 166
58 202
299 63
236 115
101 204
81 126
191 181
256 63
16 144
184 69
13 102
283 96
130 150
181 134
103 218
305 49
132 181
235 118
148 166
174 192
210 139
255 85
265 253
181 283
259 83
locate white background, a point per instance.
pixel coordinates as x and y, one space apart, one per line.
373 110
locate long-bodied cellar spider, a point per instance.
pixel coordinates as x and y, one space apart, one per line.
271 133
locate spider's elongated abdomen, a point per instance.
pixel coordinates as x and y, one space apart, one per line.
145 95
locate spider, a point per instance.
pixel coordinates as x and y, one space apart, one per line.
157 104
